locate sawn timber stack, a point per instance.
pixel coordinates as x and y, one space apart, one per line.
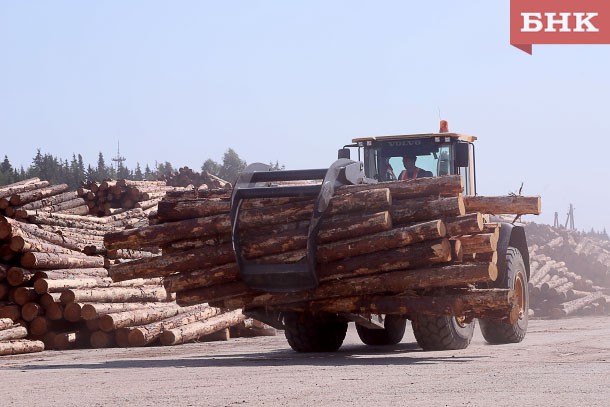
392 248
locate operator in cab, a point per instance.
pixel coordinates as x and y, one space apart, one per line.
411 171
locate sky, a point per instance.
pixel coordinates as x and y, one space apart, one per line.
293 81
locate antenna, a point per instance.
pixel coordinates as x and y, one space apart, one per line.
119 159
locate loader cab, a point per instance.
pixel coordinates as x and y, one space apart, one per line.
437 154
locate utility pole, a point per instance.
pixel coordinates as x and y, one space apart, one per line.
570 218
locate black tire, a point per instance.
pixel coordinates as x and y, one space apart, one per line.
320 333
443 332
515 278
394 330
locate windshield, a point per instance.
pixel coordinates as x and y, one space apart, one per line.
387 165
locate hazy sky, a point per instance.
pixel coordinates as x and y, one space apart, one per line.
293 81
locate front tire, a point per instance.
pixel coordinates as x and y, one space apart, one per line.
496 332
441 332
391 334
314 333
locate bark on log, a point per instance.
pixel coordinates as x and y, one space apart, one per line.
5 323
20 347
71 273
481 243
394 283
51 201
118 294
394 238
423 209
91 311
37 194
10 334
165 265
44 285
464 225
189 209
196 330
202 278
437 186
8 190
23 244
146 334
498 205
140 316
419 254
34 260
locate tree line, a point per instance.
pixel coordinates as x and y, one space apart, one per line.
75 172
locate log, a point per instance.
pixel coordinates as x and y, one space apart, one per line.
10 334
4 290
20 347
198 329
140 316
90 311
419 254
146 334
464 225
68 340
48 298
202 278
23 295
75 273
481 243
44 285
37 194
165 265
396 282
3 271
31 310
17 276
498 205
128 254
5 323
421 187
100 339
25 244
189 209
571 307
12 312
395 238
497 304
118 294
34 260
423 209
51 201
11 186
121 337
55 311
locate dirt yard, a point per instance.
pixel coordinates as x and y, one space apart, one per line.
560 363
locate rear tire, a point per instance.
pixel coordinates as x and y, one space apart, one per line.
443 332
320 333
496 332
391 334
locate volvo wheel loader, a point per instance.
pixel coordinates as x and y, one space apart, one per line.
379 159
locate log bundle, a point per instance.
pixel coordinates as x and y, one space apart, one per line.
111 197
407 243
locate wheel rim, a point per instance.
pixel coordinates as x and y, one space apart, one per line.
461 321
520 294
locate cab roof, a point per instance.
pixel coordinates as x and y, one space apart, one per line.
457 136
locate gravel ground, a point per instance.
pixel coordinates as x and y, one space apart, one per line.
561 363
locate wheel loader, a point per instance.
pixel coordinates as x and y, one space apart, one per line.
379 159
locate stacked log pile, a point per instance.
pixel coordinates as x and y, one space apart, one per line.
33 196
54 285
570 272
407 246
12 340
185 177
111 197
